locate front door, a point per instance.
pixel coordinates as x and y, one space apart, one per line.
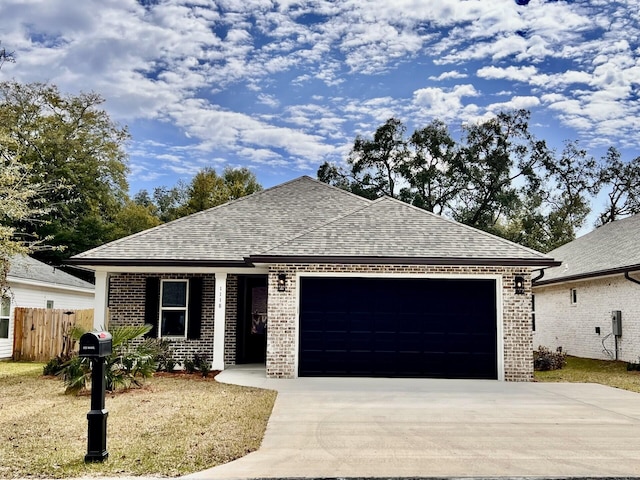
252 319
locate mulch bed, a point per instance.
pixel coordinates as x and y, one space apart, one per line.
187 376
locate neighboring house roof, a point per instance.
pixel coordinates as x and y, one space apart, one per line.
308 220
24 269
613 248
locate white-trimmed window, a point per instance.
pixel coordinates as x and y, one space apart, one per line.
574 296
5 313
173 308
49 304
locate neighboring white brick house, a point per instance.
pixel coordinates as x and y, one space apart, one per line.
33 284
574 301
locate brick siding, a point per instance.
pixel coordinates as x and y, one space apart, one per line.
516 313
560 323
127 307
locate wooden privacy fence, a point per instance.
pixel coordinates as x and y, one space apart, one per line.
41 334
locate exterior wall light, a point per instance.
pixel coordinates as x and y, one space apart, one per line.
282 282
519 285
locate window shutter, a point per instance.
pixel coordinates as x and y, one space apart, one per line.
152 305
195 308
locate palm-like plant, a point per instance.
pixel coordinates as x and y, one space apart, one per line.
129 363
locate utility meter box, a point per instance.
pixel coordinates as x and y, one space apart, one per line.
95 345
616 323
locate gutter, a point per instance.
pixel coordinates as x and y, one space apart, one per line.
585 276
146 262
363 260
52 286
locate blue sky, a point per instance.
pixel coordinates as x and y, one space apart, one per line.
282 86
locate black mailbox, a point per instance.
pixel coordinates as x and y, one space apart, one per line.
95 345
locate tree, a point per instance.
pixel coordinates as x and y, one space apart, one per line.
378 162
133 218
338 177
498 155
429 170
69 140
557 204
622 181
498 177
240 182
208 190
169 202
572 182
5 56
21 200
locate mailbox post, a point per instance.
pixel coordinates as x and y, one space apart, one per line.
96 346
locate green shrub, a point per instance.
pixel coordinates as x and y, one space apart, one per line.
198 363
128 365
544 359
164 356
633 366
189 365
170 364
55 365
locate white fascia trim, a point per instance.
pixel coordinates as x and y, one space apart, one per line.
54 286
578 280
499 311
229 270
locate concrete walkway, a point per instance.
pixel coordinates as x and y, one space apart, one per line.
346 427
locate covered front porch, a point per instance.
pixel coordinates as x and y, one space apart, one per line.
232 309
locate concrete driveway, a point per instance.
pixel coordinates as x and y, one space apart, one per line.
328 427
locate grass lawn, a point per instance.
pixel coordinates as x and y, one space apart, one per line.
171 427
586 370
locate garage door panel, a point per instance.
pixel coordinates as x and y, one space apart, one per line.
359 322
410 342
398 327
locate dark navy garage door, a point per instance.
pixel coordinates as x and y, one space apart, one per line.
399 327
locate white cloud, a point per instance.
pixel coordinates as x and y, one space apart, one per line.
519 74
268 100
328 70
516 103
442 103
450 75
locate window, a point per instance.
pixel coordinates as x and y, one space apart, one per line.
574 296
5 311
173 308
49 304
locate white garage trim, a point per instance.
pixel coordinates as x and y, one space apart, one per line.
498 291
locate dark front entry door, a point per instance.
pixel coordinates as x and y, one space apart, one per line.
401 327
252 319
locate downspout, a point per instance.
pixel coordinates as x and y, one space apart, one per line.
626 275
540 275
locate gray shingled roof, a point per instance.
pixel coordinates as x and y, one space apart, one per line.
307 218
22 267
612 248
391 228
232 231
